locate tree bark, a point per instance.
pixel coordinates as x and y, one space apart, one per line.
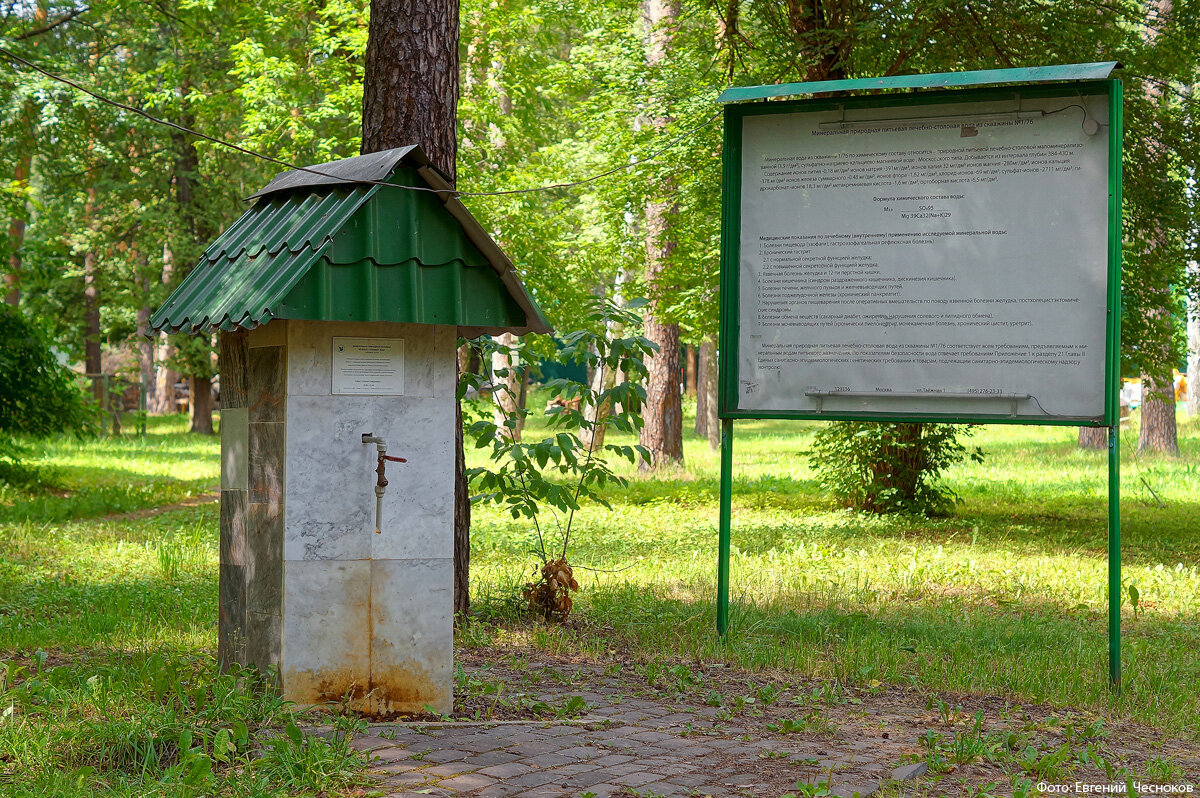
1193 356
410 96
506 390
690 380
16 236
1093 437
200 406
145 345
410 86
91 310
1158 431
164 382
712 425
702 367
662 433
462 506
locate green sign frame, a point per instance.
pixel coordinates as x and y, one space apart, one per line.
1087 79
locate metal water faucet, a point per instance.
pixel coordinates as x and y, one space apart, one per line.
381 482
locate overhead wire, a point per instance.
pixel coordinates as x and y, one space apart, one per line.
279 162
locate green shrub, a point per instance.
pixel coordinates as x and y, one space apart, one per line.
38 397
890 467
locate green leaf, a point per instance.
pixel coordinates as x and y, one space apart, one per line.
293 733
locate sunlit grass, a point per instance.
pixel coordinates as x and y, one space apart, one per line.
1008 596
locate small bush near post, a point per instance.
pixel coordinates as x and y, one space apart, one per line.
884 467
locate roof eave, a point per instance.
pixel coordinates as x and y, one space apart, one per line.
536 320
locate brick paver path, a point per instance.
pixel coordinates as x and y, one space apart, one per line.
657 744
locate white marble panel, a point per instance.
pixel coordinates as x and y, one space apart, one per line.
429 355
326 630
412 640
418 508
235 442
331 478
273 333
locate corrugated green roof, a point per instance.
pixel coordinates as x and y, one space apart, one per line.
329 247
1047 74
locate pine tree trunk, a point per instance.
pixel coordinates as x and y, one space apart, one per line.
410 96
506 389
662 433
410 86
592 436
164 382
145 345
712 424
703 364
1193 357
16 236
91 309
200 406
1158 431
462 517
1093 437
691 381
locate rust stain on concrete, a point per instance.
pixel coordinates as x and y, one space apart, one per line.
308 688
407 688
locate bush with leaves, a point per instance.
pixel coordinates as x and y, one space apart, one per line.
551 477
38 397
885 467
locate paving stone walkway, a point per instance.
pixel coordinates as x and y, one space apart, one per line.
665 743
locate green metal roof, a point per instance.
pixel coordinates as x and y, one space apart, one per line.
1048 74
331 247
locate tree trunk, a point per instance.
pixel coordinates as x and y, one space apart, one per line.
462 507
603 379
1158 431
410 86
16 235
702 367
200 406
1093 437
691 379
506 389
410 96
712 424
662 433
145 345
1193 356
91 308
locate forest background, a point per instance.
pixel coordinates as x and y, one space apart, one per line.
105 210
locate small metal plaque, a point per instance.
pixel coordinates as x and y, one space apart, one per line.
368 366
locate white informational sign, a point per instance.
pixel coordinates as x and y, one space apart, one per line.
948 259
368 365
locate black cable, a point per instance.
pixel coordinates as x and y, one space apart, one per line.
270 159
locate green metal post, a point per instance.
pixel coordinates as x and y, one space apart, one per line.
1114 556
723 529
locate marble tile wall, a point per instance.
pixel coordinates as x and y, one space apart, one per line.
266 491
368 614
231 601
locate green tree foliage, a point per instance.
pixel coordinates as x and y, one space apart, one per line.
883 467
38 397
552 92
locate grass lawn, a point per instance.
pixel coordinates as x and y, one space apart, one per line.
108 625
1007 597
